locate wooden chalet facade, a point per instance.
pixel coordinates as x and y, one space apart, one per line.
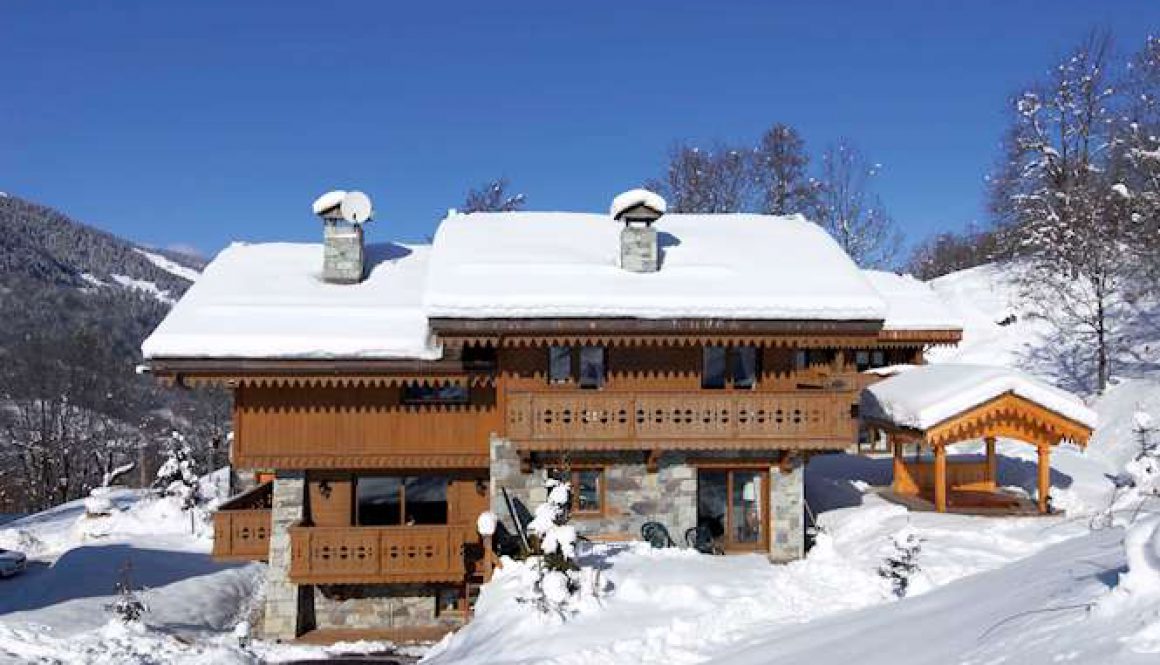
373 470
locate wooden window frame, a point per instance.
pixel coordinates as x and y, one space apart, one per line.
573 478
574 379
732 363
357 522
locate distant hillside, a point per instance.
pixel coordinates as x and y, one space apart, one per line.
75 303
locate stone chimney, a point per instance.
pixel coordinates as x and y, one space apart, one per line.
638 209
344 254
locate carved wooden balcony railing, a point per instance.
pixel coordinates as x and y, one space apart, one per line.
379 555
241 526
603 420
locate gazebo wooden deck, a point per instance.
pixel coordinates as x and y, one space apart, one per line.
937 406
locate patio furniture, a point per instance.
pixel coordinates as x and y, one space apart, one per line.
657 535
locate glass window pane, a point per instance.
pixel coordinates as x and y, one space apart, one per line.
559 363
447 393
711 501
800 359
591 366
713 367
426 500
587 490
745 507
745 367
378 501
878 359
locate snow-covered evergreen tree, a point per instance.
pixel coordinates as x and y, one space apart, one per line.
177 475
552 550
128 607
902 563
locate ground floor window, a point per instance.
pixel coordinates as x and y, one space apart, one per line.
400 500
587 489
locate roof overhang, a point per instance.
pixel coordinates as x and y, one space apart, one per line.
312 371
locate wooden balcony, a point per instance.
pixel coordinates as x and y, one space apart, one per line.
636 420
241 527
379 555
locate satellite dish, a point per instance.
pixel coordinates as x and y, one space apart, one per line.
356 207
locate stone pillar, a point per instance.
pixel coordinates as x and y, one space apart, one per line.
787 507
287 604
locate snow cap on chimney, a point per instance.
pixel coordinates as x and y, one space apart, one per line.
638 209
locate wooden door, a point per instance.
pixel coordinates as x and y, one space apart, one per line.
734 505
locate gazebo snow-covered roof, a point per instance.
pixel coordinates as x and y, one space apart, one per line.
940 405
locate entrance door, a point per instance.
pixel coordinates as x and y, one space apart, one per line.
733 504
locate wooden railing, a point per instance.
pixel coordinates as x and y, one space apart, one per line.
643 417
919 477
241 535
382 555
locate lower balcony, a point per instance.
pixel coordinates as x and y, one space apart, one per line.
241 526
380 555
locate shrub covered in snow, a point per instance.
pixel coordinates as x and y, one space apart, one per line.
902 563
551 554
177 476
128 606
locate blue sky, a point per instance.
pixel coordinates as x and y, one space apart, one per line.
196 123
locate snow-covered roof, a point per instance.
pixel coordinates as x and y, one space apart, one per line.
927 395
269 301
551 264
911 304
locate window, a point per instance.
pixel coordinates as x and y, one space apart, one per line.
587 496
445 393
806 358
591 367
735 365
713 367
864 360
745 367
400 500
559 364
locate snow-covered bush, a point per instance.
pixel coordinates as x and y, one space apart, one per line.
902 563
128 607
177 476
551 551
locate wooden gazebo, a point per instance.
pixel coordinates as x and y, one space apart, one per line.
940 405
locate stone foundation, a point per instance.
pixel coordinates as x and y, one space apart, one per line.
377 607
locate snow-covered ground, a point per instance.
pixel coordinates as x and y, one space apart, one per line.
1082 588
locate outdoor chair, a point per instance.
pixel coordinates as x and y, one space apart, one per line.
701 539
657 535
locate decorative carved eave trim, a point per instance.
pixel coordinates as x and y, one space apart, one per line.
312 373
663 327
1008 416
854 341
947 336
368 461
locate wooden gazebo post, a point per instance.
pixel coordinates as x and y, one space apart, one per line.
991 475
940 477
899 463
1044 475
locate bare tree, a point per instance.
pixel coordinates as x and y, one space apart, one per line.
707 181
852 214
493 197
1069 214
781 172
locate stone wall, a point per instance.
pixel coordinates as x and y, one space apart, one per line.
287 612
343 258
669 496
638 248
787 503
372 607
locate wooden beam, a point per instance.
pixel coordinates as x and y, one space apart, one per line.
1044 477
940 478
991 476
899 463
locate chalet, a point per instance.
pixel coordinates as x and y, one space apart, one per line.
676 368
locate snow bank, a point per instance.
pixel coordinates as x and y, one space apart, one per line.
925 396
269 301
550 264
